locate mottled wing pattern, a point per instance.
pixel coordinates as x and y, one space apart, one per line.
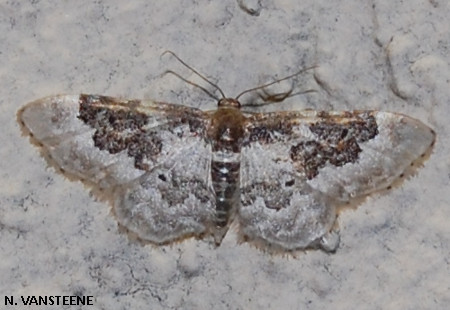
150 158
297 167
172 171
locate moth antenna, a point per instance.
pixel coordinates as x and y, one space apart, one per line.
274 82
196 72
271 99
192 83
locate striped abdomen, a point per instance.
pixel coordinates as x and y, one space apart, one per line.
225 133
225 179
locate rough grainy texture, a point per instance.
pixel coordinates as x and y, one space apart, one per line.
371 55
188 182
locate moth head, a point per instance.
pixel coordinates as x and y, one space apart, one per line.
229 102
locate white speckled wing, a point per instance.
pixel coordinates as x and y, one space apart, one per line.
400 142
297 167
150 158
278 207
173 201
53 123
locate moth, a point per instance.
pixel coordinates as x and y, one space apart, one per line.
173 172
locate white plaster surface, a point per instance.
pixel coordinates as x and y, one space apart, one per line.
56 239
